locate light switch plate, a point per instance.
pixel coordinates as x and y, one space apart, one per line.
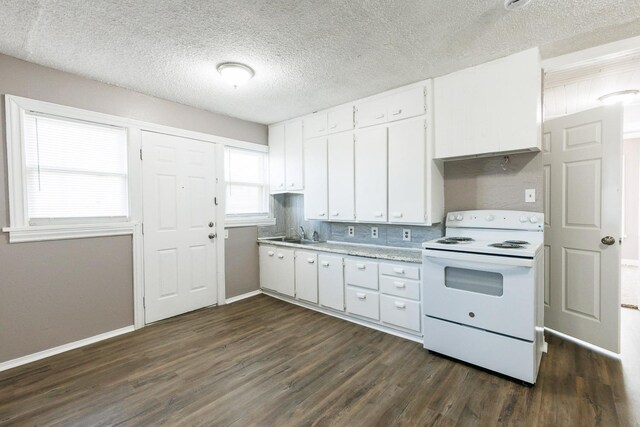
226 233
406 234
530 195
351 231
374 232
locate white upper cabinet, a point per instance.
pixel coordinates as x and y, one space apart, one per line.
407 180
293 155
315 125
371 175
341 171
276 158
340 119
286 157
315 195
400 104
489 109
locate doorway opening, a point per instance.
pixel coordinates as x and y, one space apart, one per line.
630 277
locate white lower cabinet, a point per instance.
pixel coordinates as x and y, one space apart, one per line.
307 276
331 282
277 269
363 302
383 294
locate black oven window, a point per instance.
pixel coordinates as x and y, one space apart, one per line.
478 281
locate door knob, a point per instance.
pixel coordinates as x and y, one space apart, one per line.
608 240
212 236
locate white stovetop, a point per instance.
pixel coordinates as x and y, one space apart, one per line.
482 247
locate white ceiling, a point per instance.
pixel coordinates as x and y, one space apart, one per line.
307 54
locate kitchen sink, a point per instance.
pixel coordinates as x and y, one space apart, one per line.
293 240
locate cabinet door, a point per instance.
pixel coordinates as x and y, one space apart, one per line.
407 162
408 103
341 177
276 158
340 120
283 275
371 112
315 194
371 175
307 276
315 125
267 257
294 176
330 282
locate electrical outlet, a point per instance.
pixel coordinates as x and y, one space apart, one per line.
530 195
374 232
351 231
406 234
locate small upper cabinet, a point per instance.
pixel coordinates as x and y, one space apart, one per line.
315 125
493 108
286 157
340 120
403 104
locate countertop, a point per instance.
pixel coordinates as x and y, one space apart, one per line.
368 251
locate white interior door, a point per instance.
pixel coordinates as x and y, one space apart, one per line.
179 219
582 168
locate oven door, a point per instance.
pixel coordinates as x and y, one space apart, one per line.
483 291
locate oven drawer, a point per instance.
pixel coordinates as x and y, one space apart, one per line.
509 356
400 312
363 303
400 287
398 270
361 273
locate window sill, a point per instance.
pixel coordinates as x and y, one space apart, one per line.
41 233
249 222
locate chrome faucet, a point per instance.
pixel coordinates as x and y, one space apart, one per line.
301 233
316 236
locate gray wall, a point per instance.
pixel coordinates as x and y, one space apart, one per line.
631 196
52 293
241 261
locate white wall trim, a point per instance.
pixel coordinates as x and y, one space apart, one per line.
584 344
631 262
61 232
243 296
585 56
63 348
249 222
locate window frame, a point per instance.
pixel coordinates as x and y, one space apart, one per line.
245 220
20 228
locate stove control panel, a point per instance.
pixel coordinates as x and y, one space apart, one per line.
508 220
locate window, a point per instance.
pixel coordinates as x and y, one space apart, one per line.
247 190
76 172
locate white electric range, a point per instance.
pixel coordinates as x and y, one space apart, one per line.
483 291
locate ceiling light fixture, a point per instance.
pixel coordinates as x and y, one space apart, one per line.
624 96
515 4
234 73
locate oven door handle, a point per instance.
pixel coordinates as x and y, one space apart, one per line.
445 258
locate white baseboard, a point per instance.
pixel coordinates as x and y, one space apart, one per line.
62 348
631 262
243 296
585 344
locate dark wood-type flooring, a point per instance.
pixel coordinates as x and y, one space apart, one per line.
262 361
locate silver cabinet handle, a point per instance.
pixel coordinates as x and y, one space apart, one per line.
360 295
271 253
377 214
311 260
333 126
399 285
398 111
293 184
398 270
361 266
325 263
400 305
280 256
397 214
336 213
381 116
321 214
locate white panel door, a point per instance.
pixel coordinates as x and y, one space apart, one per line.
341 176
582 158
331 282
371 175
276 158
179 247
294 155
306 271
315 194
407 164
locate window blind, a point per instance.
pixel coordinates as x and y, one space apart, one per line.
246 183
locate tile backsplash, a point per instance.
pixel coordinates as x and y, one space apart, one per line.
289 213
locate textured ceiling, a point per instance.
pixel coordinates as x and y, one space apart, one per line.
308 55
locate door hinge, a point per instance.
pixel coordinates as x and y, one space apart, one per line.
142 227
215 201
141 154
144 302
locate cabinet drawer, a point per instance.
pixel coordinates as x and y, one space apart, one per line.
397 270
363 303
405 288
340 120
400 312
409 103
361 273
372 112
315 125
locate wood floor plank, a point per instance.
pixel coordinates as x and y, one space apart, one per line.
262 361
